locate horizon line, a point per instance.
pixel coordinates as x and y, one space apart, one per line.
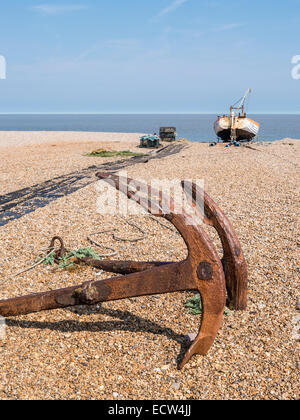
146 113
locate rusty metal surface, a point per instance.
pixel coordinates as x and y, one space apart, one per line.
121 267
234 263
202 270
61 252
159 280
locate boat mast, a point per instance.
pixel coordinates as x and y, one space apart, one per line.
241 105
233 112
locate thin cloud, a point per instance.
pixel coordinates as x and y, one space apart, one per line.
113 46
229 27
175 5
49 9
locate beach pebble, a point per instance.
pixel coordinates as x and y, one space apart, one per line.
176 386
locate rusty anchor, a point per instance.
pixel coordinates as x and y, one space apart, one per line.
202 270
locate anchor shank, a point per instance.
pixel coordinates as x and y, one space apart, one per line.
166 279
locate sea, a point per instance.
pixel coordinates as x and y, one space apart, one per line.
196 128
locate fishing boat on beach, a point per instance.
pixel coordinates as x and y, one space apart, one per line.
237 127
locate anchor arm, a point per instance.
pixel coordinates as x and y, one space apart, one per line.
234 263
204 264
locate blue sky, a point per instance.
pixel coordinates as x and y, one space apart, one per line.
158 56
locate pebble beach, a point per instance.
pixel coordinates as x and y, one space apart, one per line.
128 349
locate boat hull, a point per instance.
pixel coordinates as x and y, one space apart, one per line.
245 128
